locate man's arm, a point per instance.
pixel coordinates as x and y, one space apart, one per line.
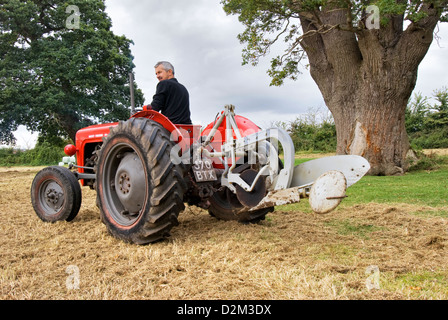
159 100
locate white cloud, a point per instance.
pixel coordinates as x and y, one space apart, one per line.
433 73
25 139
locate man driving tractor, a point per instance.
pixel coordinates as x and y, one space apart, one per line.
171 98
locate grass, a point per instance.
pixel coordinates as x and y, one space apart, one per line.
425 192
421 187
395 225
418 285
347 227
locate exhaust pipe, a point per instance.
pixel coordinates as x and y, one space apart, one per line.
131 86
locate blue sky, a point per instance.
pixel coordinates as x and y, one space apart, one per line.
201 42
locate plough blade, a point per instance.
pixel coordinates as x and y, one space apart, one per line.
278 198
327 192
353 167
323 181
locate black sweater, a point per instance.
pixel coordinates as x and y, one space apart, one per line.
172 100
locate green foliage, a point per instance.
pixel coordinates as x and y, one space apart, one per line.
264 19
56 80
313 136
43 154
438 118
314 132
426 124
429 162
416 113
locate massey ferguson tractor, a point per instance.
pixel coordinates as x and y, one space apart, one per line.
145 169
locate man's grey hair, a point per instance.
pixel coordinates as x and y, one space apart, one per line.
166 65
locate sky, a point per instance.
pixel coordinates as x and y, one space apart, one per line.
200 40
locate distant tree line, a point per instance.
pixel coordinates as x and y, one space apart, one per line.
426 123
46 152
314 131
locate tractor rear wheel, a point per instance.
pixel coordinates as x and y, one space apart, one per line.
224 205
139 189
56 194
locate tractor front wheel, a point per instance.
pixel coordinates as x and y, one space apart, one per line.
56 194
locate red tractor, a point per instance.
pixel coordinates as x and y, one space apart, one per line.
145 169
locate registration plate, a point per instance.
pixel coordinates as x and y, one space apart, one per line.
203 170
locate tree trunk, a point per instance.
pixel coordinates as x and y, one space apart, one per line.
366 80
69 122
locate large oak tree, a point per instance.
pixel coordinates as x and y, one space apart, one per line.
61 67
365 63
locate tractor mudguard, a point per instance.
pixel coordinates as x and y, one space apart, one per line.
183 135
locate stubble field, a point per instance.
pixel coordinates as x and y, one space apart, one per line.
363 251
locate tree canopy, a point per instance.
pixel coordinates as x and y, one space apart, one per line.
270 21
61 67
